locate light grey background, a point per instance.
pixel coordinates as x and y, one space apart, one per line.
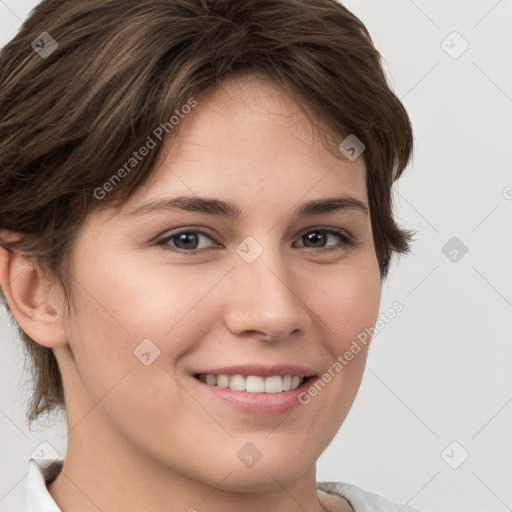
440 371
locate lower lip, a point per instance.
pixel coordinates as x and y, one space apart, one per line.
261 404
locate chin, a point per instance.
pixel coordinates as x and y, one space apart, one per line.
273 470
223 469
264 478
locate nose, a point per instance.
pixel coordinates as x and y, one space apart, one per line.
265 299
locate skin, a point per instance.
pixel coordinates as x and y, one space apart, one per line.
144 437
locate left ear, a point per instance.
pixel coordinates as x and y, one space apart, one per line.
29 298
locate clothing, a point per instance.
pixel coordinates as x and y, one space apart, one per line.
38 499
361 500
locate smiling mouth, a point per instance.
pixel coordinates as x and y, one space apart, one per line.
253 383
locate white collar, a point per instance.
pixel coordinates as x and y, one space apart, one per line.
37 497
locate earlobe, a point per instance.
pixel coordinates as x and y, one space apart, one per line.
28 296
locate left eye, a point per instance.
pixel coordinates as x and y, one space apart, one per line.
188 240
312 236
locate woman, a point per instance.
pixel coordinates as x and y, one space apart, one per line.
196 220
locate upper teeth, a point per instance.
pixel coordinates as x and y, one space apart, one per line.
253 383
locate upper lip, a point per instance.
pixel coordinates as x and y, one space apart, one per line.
260 370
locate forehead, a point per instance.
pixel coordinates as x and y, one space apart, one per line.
248 138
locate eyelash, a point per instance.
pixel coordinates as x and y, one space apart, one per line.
346 240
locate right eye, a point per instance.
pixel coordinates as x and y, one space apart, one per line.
185 241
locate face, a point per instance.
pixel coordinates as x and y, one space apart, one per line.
164 295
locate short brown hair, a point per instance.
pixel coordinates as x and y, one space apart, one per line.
122 67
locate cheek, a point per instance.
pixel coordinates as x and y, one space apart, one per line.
346 301
120 309
347 305
125 319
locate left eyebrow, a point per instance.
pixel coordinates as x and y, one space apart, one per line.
231 210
